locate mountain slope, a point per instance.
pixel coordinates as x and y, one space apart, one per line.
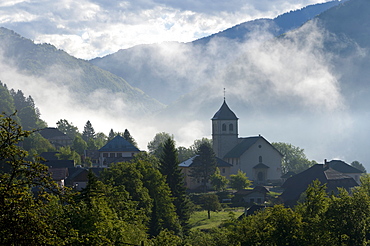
169 70
62 70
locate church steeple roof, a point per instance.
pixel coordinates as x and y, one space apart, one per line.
224 113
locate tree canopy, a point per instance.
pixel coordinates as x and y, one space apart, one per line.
294 158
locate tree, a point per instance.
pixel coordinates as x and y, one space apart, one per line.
204 165
6 101
184 153
25 217
210 203
89 132
218 181
79 145
294 158
156 145
169 167
129 138
67 128
66 153
358 165
239 181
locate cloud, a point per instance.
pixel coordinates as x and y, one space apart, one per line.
90 28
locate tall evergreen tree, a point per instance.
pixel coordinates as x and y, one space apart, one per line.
204 165
169 167
129 138
89 132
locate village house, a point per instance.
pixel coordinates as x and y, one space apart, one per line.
328 173
56 138
116 150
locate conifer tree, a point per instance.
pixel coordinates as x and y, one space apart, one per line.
129 138
169 168
89 132
204 165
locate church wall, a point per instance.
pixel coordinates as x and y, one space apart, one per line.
251 158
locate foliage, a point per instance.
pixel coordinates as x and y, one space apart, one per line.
218 181
66 153
210 203
186 153
239 181
25 216
155 146
204 165
36 144
129 138
79 145
294 158
147 186
67 128
88 132
358 165
169 167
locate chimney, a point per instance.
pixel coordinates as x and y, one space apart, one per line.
326 164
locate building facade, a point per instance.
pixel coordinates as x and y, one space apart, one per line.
253 155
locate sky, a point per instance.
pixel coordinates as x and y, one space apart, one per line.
93 28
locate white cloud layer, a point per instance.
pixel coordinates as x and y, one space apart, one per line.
91 28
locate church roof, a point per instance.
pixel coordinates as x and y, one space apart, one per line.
240 148
224 113
119 144
190 161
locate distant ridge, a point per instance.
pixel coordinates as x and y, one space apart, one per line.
59 68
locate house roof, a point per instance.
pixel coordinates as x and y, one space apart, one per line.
59 163
58 173
297 184
342 167
224 113
119 144
52 132
190 161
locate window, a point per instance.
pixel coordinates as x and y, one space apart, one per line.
224 127
260 159
231 127
105 154
119 154
223 170
258 200
112 155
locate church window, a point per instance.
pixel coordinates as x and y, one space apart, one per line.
260 159
223 170
224 127
231 127
259 146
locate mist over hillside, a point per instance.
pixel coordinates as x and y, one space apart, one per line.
169 70
53 71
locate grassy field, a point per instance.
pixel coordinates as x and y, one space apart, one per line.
199 219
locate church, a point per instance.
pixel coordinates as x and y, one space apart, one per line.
253 155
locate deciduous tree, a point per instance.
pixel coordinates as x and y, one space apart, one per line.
239 181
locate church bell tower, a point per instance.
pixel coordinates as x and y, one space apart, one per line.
224 130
